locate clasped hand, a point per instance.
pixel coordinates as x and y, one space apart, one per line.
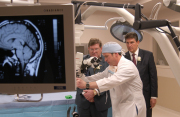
80 83
89 95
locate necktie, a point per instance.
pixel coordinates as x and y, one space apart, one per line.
134 60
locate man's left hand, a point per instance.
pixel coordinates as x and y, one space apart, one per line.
80 83
89 95
152 102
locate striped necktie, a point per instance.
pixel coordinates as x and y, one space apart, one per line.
134 59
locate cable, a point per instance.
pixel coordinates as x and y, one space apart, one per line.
81 6
144 16
158 6
155 16
105 27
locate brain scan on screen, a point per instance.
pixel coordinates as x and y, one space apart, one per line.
32 49
24 42
37 49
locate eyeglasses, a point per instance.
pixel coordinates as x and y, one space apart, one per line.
96 49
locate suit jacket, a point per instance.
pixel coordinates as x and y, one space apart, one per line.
148 74
101 102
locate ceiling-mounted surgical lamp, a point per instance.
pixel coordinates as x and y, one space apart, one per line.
121 27
172 4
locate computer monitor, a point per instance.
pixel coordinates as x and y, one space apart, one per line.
37 51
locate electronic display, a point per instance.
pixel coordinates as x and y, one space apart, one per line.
37 50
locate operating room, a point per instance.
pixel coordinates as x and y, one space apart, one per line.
168 87
98 24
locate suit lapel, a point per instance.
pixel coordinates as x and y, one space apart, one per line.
140 55
128 56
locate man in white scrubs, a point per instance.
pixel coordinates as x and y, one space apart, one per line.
122 79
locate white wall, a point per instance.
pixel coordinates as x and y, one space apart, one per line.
169 15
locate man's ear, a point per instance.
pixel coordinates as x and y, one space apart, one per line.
138 42
101 49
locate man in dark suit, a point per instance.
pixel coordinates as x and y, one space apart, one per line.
144 61
98 105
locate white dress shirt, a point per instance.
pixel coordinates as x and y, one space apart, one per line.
136 55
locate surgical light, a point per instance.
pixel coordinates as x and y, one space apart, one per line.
172 4
120 28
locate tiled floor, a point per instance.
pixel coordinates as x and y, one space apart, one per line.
160 111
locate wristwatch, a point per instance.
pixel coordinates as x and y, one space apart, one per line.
87 85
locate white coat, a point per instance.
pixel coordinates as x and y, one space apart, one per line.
125 87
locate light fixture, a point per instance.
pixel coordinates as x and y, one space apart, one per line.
172 4
120 28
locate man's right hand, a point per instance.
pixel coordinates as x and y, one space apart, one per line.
80 83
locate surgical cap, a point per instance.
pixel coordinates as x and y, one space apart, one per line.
111 47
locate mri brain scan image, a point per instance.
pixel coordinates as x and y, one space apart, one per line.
25 43
32 49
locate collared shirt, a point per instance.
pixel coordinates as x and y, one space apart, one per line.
136 55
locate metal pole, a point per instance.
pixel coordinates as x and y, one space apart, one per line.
107 4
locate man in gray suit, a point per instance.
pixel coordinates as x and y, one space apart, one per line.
144 62
98 105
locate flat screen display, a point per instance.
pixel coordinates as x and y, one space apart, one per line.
37 50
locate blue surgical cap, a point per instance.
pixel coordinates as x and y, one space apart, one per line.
111 47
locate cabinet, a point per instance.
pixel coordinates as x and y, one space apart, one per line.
82 47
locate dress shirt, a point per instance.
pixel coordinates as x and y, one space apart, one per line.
136 55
